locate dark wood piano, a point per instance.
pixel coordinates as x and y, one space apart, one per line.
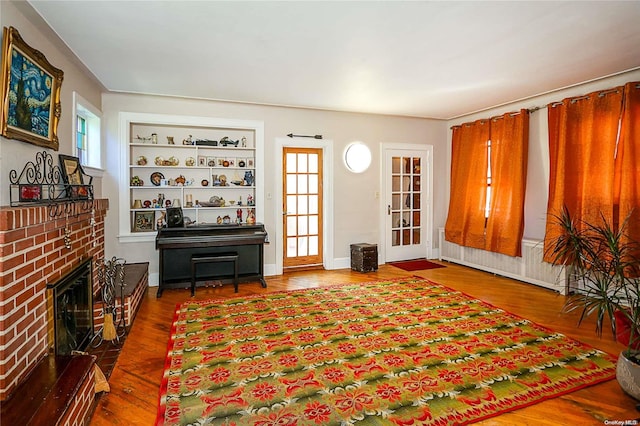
177 245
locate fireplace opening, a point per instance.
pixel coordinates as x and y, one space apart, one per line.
73 309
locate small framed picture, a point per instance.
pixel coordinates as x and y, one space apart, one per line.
250 162
30 192
202 161
143 221
71 169
211 162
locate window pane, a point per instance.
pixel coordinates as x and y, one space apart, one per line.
291 163
302 163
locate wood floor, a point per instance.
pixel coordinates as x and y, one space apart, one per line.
136 379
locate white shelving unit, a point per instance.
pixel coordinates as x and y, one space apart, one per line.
188 173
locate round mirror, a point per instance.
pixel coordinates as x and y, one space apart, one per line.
357 157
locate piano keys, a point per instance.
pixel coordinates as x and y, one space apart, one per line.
177 245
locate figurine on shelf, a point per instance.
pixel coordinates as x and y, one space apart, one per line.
251 216
248 178
160 222
170 140
250 200
239 216
187 141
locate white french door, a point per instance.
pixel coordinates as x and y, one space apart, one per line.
408 210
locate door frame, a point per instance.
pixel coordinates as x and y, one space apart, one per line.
326 145
427 196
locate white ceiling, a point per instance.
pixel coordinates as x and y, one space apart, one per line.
425 59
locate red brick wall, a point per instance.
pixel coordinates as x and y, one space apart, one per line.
33 254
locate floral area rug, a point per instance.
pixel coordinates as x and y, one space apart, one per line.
396 352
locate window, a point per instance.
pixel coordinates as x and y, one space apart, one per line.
88 145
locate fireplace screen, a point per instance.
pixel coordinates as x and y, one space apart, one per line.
73 310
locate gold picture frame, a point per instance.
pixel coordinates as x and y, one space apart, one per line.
30 93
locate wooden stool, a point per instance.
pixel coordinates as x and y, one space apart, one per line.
214 258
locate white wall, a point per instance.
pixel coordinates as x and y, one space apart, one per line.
538 166
356 210
15 154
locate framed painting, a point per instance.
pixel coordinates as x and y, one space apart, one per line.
30 93
143 221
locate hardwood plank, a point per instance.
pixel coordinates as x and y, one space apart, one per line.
135 381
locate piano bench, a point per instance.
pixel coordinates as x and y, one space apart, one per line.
214 258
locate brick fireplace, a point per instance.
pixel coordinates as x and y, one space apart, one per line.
34 252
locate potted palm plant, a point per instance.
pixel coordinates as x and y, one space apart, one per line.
603 261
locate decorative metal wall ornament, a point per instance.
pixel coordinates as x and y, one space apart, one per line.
291 135
41 182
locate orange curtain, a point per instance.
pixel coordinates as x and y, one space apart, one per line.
465 220
582 145
628 162
509 156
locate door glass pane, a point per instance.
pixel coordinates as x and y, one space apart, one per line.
416 165
292 205
406 198
313 225
313 184
395 238
313 204
395 202
406 237
291 184
292 247
302 163
313 246
395 220
416 236
395 165
302 246
291 163
302 204
313 163
302 184
302 225
395 183
291 225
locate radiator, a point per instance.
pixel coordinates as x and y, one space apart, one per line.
529 268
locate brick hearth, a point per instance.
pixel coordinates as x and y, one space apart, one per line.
32 254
